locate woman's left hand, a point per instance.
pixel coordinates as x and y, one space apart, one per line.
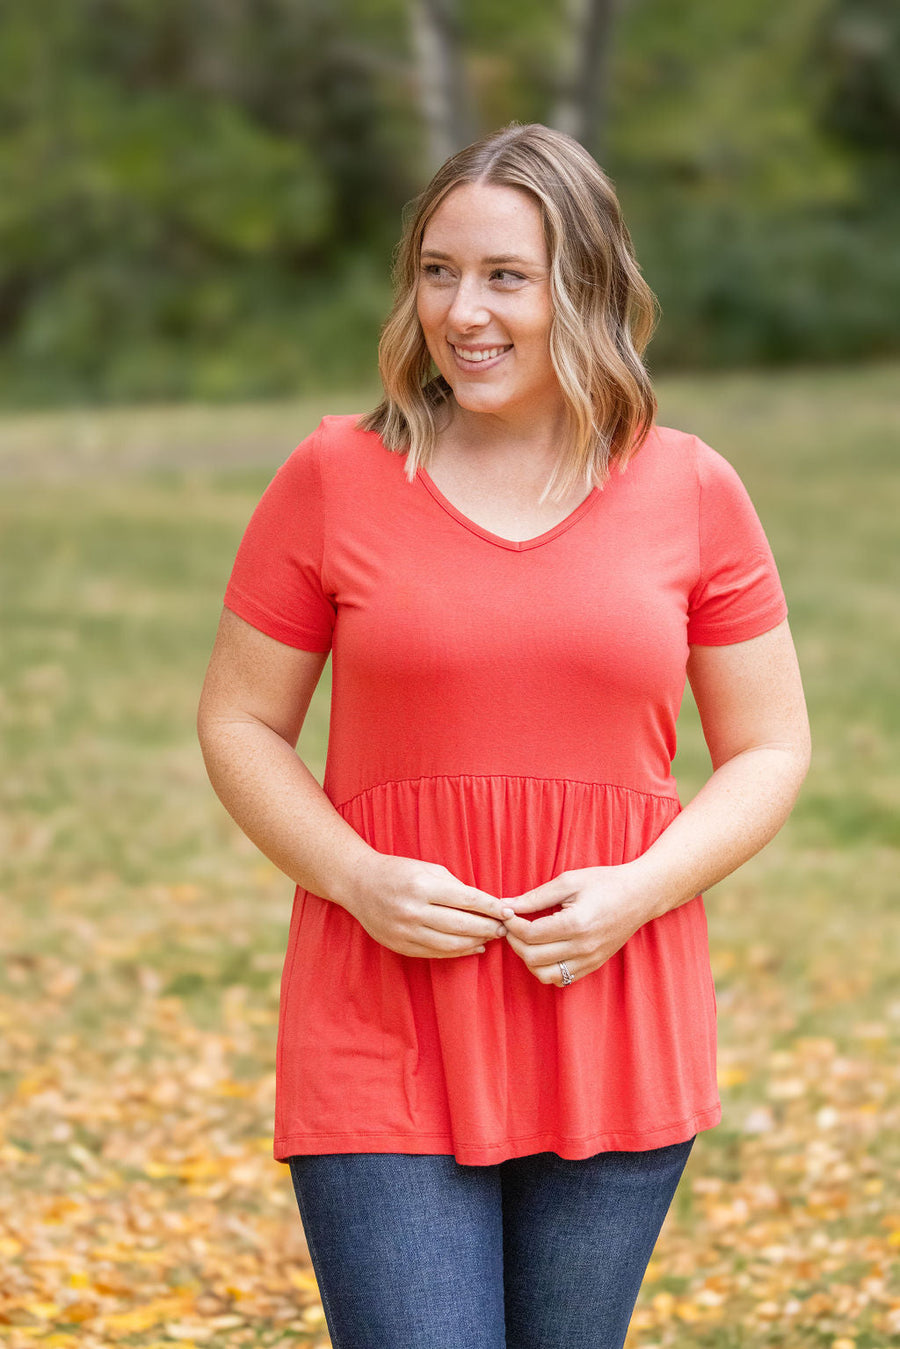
601 908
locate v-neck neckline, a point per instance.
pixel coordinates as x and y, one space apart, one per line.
514 545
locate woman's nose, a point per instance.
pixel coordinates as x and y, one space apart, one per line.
468 308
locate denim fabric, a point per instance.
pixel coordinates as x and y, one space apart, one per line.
420 1252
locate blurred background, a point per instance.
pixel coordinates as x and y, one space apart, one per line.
199 200
200 197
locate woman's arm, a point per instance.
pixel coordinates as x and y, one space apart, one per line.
753 713
255 698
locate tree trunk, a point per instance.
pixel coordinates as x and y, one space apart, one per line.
582 103
444 95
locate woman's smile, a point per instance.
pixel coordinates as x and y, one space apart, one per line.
478 358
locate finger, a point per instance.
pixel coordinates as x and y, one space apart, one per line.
441 950
552 974
535 956
469 898
461 923
555 927
542 896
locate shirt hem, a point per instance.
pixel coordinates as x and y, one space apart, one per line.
487 1154
256 614
730 633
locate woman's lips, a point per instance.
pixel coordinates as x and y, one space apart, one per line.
482 364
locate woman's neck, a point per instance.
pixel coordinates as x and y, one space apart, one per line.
493 442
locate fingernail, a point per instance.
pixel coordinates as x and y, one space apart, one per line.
480 951
501 931
507 913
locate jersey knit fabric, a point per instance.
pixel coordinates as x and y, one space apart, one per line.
506 709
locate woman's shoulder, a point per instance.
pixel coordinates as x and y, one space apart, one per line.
339 446
344 468
676 453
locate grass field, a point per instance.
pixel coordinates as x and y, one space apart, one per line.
143 935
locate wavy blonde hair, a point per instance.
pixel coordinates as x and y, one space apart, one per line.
604 313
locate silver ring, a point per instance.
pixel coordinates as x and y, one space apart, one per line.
568 977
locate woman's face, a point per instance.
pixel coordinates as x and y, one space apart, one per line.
483 301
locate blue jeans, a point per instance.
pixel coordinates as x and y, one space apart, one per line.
420 1252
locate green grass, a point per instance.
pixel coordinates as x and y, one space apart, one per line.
139 1001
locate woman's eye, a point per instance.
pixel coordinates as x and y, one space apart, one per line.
433 270
508 278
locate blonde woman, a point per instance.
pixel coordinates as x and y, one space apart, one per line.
497 1041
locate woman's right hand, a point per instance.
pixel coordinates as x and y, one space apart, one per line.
420 909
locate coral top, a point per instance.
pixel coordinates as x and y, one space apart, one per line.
506 709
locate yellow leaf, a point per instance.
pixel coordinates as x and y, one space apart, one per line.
303 1279
82 1310
9 1246
199 1168
230 1088
159 1169
30 1086
45 1310
663 1304
115 1251
133 1322
61 1208
143 1318
643 1319
78 1279
185 892
731 1077
313 1317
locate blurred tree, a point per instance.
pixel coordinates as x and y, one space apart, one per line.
581 106
444 92
858 49
575 61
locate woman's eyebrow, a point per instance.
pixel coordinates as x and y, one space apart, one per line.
493 260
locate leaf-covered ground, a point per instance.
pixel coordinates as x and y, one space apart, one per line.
143 936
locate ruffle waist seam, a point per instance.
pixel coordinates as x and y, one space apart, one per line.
505 777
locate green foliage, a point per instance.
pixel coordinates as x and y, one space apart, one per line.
201 201
167 226
753 220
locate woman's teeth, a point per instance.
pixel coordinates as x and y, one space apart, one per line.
479 355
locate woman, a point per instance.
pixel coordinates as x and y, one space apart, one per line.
497 1030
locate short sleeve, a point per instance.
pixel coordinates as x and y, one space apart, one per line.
738 593
276 581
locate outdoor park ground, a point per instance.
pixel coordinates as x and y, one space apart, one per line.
143 936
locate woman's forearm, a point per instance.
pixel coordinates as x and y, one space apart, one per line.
269 791
413 907
735 814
